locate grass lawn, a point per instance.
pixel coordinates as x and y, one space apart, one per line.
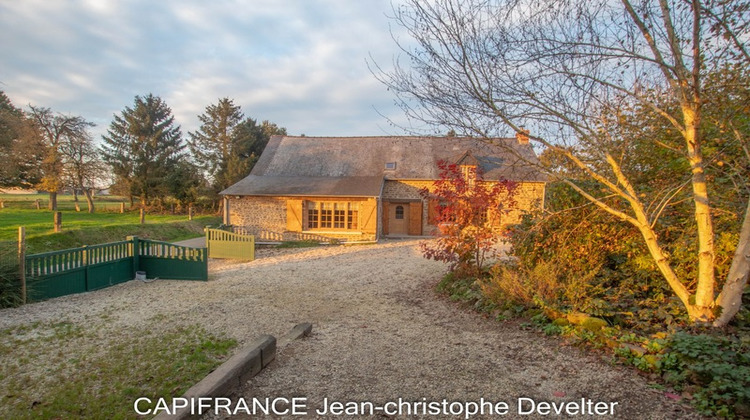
91 229
64 371
64 202
82 228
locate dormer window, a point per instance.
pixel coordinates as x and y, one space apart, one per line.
390 166
469 173
468 165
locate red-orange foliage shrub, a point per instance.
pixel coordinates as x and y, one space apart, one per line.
468 213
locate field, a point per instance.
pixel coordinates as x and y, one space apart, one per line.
82 228
64 202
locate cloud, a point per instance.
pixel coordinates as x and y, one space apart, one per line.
300 64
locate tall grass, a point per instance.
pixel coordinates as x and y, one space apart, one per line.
10 281
543 286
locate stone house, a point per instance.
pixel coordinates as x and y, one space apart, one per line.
365 188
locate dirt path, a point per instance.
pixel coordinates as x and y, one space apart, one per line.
379 332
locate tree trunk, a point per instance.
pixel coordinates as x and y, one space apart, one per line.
730 298
89 199
52 200
696 312
704 292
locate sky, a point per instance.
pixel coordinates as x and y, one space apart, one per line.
302 64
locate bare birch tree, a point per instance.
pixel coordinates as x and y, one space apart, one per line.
570 72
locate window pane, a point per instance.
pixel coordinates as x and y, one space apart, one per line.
326 215
399 212
313 215
339 216
482 218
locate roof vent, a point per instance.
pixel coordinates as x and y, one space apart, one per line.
390 166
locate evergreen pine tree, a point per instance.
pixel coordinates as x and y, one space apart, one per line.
227 144
142 146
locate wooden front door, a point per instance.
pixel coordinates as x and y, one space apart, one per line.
398 218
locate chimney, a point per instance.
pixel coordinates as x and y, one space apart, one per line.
522 136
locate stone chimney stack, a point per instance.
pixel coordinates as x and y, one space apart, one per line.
522 136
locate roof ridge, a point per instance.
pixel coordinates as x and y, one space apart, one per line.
400 137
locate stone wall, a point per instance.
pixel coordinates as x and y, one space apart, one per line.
530 196
263 213
265 218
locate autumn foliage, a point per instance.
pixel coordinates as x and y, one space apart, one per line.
469 213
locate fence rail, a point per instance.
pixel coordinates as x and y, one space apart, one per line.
148 248
224 244
272 236
54 262
76 270
104 253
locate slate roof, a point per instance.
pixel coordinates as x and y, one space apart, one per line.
356 166
356 186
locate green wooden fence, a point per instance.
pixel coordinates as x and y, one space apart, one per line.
77 270
223 244
170 261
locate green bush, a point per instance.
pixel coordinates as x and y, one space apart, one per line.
719 367
714 371
467 290
576 258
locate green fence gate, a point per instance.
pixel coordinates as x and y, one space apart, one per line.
170 261
223 244
77 270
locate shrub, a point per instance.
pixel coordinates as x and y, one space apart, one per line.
543 286
539 285
468 212
718 366
465 290
713 371
603 263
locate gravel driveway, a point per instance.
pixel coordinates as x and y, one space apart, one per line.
380 333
